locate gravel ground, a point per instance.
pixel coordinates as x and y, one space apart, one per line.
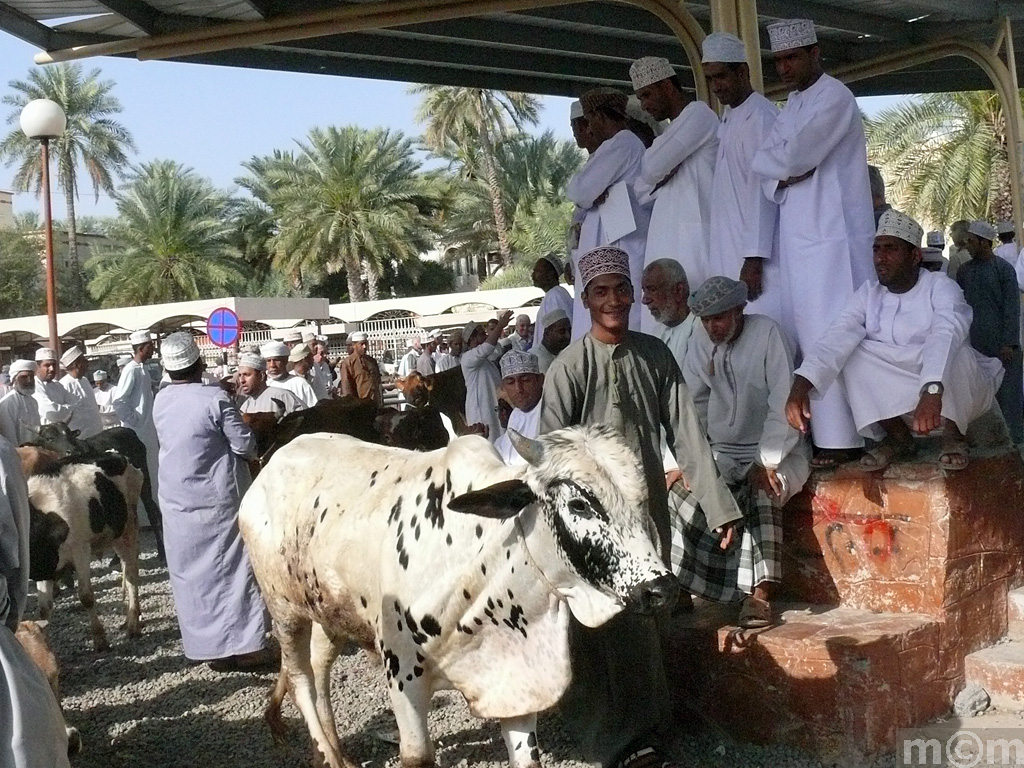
143 705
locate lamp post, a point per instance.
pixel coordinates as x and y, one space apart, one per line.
43 119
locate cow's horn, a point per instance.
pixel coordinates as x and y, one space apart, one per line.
531 450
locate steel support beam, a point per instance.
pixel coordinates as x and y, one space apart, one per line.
151 20
25 27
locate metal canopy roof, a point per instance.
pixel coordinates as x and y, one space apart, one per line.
563 49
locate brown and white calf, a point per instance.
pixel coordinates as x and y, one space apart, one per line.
461 572
80 509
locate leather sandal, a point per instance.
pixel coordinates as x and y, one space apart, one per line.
755 613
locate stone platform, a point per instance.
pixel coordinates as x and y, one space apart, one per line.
899 575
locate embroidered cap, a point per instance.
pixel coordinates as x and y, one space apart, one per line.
791 33
935 239
70 356
604 98
648 70
723 48
716 295
45 353
179 351
515 363
897 224
553 317
982 229
357 337
100 375
1005 227
292 337
299 353
252 360
274 349
139 337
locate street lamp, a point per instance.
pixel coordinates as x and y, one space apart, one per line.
43 119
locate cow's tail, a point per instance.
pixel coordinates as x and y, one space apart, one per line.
272 714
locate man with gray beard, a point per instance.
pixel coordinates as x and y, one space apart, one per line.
665 294
19 412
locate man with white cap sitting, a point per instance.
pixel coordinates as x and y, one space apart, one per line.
53 400
523 385
1007 248
666 291
676 172
260 398
481 375
814 165
19 411
614 166
85 412
300 359
203 475
743 220
618 702
739 370
990 288
901 345
275 354
557 335
104 394
360 374
546 273
133 400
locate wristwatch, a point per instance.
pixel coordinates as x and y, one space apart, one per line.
933 388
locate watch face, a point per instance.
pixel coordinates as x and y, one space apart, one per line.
934 389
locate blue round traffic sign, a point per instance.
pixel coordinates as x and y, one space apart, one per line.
223 327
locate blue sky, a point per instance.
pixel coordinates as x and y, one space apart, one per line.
214 118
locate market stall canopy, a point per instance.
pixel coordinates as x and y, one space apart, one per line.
538 46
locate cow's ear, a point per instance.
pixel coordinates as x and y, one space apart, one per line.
76 432
501 500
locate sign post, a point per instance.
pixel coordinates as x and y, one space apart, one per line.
223 327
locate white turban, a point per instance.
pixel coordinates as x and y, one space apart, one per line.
553 317
515 363
45 353
648 70
723 48
274 349
179 351
897 224
22 366
251 360
791 33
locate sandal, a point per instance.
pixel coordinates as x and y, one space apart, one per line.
954 455
885 453
755 613
830 458
263 660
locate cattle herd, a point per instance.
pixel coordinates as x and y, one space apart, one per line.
456 570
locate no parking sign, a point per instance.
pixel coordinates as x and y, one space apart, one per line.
223 327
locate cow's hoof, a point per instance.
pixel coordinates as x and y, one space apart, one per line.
100 644
74 741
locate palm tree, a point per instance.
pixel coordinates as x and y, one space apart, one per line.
93 140
174 237
945 156
482 118
348 199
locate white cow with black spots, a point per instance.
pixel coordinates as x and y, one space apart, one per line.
459 571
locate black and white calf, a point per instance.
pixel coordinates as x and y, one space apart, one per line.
459 571
80 508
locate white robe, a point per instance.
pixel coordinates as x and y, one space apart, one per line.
19 418
482 380
888 346
105 402
1006 251
826 225
298 386
55 404
425 364
85 412
681 218
408 363
276 400
133 402
544 357
556 298
445 361
744 222
618 159
742 405
527 424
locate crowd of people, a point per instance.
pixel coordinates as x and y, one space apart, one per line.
746 308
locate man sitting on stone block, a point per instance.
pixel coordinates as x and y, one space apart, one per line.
900 350
739 369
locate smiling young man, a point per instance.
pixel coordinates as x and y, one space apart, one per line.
901 345
618 703
814 165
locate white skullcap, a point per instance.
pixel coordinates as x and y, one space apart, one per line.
897 224
554 260
648 70
299 353
70 356
179 351
357 336
23 366
308 336
139 337
935 239
933 255
274 349
434 334
1005 227
606 260
791 33
515 363
292 337
641 115
575 110
252 360
123 360
45 353
553 317
100 375
982 229
723 48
